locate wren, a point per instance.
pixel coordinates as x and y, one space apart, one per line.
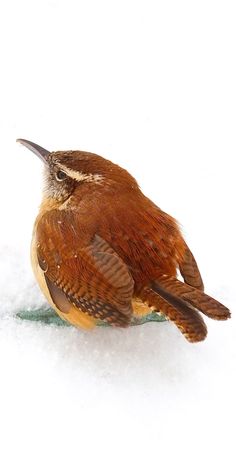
102 251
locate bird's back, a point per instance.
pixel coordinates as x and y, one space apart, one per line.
147 239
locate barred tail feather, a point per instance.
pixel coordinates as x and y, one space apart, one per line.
189 270
195 297
187 319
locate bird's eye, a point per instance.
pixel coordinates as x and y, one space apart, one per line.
60 175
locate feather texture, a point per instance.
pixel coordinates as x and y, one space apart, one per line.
197 298
189 270
91 277
187 319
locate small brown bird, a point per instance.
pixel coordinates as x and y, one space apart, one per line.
101 250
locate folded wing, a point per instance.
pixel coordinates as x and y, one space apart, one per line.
83 271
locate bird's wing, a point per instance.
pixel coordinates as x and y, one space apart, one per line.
189 270
82 270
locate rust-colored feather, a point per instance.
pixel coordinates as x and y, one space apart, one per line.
189 270
201 301
187 319
91 276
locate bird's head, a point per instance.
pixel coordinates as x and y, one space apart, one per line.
66 172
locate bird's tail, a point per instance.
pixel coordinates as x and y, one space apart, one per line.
180 303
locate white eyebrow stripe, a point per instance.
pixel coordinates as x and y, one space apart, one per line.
79 177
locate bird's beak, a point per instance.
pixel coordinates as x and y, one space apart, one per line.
42 153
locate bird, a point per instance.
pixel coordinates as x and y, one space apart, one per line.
102 251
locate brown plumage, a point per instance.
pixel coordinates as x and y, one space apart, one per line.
101 250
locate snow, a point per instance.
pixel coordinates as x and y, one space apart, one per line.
151 86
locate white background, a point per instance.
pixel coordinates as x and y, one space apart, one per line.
151 86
